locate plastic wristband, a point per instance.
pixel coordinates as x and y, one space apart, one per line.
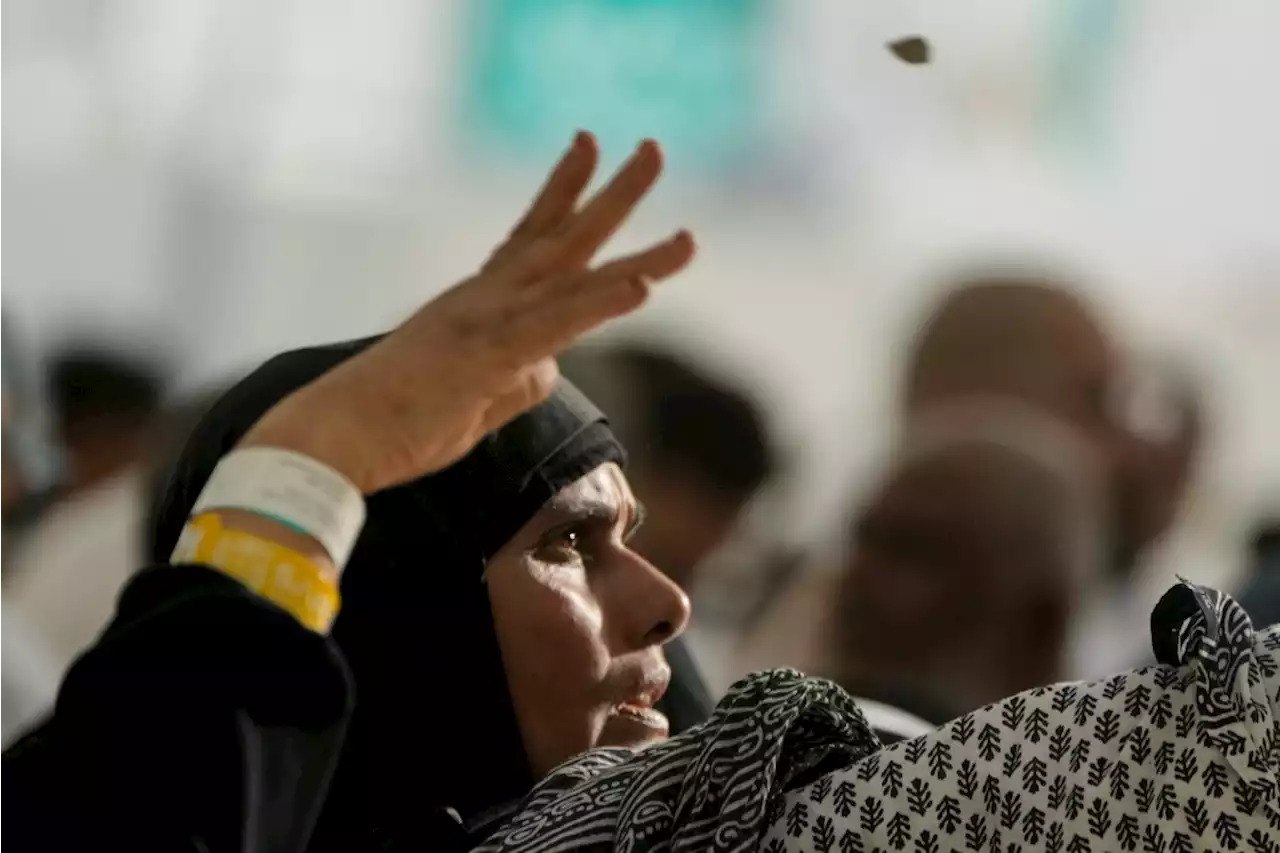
278 574
293 489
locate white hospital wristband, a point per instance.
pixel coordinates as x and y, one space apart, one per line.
290 488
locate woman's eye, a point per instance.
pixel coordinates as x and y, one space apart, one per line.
563 545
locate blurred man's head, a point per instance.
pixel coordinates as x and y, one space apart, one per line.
965 564
104 404
1010 335
1020 338
15 478
33 462
698 448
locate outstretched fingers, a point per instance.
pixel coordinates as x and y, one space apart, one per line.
556 200
605 213
659 261
578 238
560 311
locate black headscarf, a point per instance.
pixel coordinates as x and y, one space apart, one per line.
434 734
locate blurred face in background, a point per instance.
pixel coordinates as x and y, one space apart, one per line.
32 472
960 578
106 405
11 477
13 483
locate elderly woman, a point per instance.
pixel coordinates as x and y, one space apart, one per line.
216 712
490 676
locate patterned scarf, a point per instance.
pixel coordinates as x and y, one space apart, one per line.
716 788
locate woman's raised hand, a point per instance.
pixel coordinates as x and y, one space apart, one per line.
484 351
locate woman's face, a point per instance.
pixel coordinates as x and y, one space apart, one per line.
581 620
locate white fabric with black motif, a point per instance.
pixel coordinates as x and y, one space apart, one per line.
1176 758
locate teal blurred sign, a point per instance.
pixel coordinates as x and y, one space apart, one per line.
1085 38
687 72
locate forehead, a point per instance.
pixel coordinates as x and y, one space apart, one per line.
605 485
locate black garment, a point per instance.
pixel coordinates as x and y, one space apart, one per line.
206 719
202 716
414 607
686 702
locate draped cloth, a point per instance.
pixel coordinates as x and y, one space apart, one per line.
433 752
709 789
1179 757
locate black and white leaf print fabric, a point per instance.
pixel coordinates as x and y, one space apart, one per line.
1176 758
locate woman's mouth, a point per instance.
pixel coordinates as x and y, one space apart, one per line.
634 725
650 717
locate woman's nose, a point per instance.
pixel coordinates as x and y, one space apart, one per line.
659 606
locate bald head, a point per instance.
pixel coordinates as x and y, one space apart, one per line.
1014 336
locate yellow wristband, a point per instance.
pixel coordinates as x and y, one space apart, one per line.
284 577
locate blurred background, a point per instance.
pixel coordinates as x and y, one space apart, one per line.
193 185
